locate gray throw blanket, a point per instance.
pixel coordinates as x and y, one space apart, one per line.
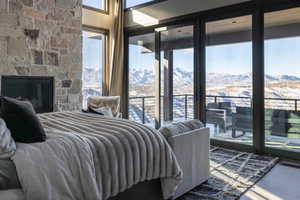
91 157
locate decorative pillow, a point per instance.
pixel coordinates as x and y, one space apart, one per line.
178 128
8 175
21 120
7 144
106 111
112 102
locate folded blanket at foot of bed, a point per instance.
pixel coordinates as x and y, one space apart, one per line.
91 157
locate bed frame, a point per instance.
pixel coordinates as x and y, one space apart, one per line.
148 190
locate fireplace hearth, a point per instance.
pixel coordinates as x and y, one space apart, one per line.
38 90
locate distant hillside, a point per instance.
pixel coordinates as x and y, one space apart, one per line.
283 86
147 76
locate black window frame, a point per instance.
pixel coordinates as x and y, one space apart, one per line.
256 8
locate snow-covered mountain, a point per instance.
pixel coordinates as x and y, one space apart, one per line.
184 77
142 83
279 86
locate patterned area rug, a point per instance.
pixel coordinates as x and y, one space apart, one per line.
232 173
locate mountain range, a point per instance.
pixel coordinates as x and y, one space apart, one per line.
277 86
142 83
144 76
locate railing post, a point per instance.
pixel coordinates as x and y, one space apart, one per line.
185 106
216 99
296 105
143 108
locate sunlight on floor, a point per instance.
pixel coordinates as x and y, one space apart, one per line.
259 193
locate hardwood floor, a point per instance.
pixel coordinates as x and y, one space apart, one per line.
281 183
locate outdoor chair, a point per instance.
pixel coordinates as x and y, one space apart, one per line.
219 114
241 121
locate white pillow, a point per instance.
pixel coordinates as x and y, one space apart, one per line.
177 128
7 144
106 111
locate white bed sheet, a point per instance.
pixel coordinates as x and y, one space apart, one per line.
15 194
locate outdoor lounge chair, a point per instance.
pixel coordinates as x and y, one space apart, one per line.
242 121
219 114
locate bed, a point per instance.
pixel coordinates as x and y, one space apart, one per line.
87 156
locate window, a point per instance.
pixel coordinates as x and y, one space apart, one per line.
176 68
177 73
132 3
282 78
142 78
93 56
229 79
98 4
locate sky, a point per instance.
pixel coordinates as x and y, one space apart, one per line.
92 52
282 56
130 3
94 3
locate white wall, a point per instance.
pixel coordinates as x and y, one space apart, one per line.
152 14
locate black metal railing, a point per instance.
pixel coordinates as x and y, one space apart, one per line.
141 108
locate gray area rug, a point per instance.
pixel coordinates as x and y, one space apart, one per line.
232 173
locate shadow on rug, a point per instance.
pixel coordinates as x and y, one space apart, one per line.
232 173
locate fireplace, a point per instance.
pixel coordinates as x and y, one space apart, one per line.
38 90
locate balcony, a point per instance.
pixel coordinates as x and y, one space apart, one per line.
230 117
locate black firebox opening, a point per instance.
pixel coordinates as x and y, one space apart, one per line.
38 90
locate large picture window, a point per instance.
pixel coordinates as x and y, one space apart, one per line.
282 79
93 56
229 79
142 79
240 75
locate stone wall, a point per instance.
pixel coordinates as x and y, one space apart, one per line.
43 38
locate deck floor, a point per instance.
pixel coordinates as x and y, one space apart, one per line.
271 141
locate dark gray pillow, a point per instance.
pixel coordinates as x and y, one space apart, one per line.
21 120
8 175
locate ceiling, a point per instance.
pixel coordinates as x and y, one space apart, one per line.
153 14
244 23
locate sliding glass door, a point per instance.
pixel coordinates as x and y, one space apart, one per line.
142 79
177 73
176 80
282 79
244 95
229 79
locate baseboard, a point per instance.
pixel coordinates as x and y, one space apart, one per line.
290 164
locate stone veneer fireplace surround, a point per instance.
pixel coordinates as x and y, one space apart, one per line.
43 38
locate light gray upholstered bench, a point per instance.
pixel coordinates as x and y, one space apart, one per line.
190 143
